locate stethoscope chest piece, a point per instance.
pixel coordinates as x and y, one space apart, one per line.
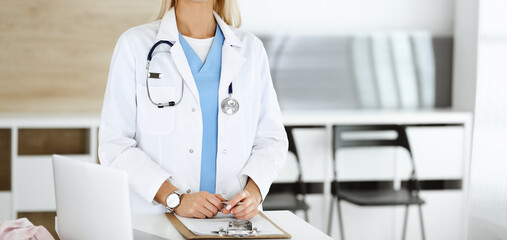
230 105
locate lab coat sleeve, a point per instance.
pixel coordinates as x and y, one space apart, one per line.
117 144
269 150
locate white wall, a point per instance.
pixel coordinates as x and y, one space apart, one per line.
340 17
488 196
465 55
330 17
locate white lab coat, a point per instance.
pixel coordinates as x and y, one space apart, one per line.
154 144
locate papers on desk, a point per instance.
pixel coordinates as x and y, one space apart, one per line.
209 225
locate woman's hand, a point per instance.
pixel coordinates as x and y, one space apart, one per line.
199 205
250 198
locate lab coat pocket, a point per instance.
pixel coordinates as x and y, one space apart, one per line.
153 119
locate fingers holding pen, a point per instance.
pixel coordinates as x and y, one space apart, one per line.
216 200
241 207
244 206
234 201
247 213
206 205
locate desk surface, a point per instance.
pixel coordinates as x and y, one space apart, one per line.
370 116
299 229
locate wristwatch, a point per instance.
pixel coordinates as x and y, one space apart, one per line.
173 200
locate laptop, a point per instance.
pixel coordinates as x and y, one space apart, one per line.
92 202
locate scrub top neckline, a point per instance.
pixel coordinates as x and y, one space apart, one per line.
198 39
200 46
194 60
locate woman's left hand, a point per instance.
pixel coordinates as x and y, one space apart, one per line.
250 198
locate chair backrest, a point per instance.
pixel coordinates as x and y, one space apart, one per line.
292 143
400 140
299 186
293 150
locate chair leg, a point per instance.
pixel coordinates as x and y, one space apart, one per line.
404 233
306 215
422 223
340 220
330 221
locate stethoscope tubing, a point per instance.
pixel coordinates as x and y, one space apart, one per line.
174 103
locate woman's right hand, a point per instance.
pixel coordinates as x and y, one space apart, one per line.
199 205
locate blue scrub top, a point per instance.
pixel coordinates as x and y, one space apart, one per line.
207 79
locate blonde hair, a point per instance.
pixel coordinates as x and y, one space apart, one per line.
228 10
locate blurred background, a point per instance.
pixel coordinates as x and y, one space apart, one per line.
437 68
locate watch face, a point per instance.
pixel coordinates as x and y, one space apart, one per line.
173 200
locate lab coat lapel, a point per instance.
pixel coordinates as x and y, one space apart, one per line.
232 60
183 67
168 30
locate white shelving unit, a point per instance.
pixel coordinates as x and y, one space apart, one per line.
32 186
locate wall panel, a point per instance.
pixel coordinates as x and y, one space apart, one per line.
54 54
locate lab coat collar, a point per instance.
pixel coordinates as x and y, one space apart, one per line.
232 60
229 35
169 30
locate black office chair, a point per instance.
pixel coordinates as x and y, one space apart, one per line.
406 195
293 198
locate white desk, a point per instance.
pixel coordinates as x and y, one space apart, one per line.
159 225
372 116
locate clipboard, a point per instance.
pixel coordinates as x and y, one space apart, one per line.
187 234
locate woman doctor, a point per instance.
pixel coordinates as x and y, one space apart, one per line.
197 124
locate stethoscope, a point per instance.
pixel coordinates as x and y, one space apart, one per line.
229 105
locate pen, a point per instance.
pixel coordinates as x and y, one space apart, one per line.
224 204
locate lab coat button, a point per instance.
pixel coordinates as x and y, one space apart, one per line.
193 109
191 150
225 151
224 192
189 191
